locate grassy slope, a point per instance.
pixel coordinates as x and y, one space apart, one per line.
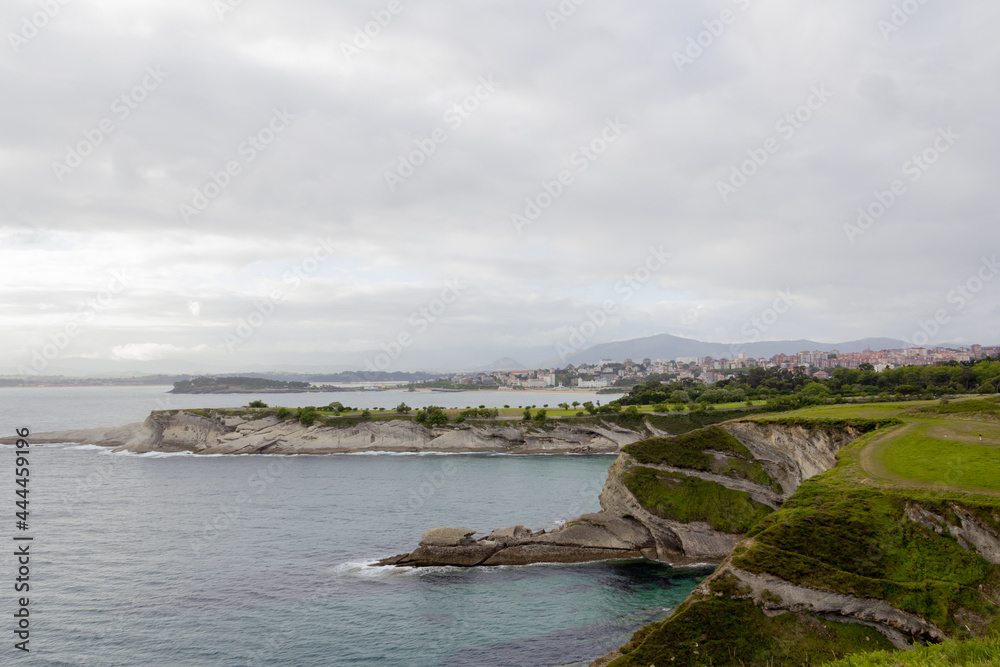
973 653
844 532
678 497
736 632
930 455
693 450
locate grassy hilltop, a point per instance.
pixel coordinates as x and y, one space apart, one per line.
889 524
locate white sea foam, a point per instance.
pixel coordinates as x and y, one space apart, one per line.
165 455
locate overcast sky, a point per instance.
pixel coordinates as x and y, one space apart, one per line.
223 185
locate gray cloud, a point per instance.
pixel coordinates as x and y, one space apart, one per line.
323 177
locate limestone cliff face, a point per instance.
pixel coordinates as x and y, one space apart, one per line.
214 432
677 543
776 595
789 454
792 454
841 567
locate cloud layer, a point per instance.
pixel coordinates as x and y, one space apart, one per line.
313 176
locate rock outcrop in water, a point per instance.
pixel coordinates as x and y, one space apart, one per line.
233 432
682 499
590 537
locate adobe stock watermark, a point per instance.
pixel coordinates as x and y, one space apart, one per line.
96 480
420 320
60 340
454 117
32 25
958 298
101 473
626 288
259 482
581 159
273 645
755 327
899 16
264 309
913 170
562 12
121 109
430 484
248 150
787 127
699 44
588 492
366 34
223 7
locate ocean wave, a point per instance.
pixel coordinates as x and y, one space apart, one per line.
384 453
111 451
367 569
164 455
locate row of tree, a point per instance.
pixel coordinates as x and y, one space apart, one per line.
767 384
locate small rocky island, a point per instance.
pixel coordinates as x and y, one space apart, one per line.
247 385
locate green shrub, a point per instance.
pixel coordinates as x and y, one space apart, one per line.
478 413
432 416
307 416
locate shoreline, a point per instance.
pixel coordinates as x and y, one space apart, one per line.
222 432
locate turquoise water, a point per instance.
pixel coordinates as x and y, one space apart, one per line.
257 560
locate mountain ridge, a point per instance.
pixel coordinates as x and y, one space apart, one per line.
667 346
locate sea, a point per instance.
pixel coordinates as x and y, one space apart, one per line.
184 560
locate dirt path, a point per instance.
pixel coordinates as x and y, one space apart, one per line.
962 432
871 465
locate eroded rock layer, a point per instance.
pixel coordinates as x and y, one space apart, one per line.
216 432
680 499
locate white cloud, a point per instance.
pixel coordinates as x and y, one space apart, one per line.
324 177
149 351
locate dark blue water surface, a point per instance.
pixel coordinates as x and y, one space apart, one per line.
263 560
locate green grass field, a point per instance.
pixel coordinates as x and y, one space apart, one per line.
942 453
937 447
974 653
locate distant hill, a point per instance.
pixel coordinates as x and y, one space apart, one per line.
504 364
347 376
238 385
665 346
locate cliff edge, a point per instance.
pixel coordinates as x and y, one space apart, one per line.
848 564
682 499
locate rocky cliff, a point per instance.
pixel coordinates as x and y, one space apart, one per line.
846 565
680 499
246 432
